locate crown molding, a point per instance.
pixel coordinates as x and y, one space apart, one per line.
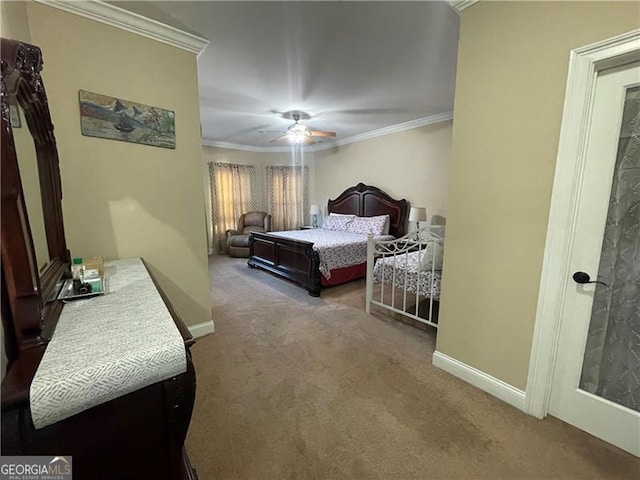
460 5
420 122
131 22
246 148
400 127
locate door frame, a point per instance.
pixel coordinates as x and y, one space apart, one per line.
584 65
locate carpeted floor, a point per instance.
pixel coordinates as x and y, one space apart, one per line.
292 386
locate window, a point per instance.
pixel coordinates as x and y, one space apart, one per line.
233 193
287 196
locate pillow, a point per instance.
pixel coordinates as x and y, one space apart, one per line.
387 225
432 256
338 223
367 225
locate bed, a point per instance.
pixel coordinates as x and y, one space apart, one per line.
295 256
404 275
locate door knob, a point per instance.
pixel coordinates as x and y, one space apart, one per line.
583 277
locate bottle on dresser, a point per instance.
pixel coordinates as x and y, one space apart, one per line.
77 275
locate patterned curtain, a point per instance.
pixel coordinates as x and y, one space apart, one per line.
611 367
233 193
287 196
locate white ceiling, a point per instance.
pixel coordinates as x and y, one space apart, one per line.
354 67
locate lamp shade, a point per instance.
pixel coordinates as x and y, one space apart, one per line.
314 210
417 214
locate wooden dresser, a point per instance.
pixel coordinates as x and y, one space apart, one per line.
136 435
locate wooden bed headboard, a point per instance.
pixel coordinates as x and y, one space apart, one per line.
367 201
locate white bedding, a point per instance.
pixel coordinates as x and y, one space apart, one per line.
409 263
336 249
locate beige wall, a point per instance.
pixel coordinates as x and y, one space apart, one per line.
413 165
259 160
122 199
512 71
13 21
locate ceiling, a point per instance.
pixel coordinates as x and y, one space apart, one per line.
356 68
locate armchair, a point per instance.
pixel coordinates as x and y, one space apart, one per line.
237 244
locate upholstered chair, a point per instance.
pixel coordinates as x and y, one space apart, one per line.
238 239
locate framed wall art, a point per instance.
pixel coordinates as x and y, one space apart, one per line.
109 117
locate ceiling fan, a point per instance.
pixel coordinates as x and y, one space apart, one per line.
297 133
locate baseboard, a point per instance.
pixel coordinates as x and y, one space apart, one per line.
477 378
202 329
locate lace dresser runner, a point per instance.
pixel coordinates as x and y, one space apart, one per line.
107 346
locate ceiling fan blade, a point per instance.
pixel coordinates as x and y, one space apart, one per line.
282 137
271 131
319 133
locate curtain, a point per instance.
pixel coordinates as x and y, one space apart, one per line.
233 193
611 367
287 196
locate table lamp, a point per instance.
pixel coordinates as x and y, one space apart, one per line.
315 211
418 214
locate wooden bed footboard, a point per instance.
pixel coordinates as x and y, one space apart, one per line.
288 258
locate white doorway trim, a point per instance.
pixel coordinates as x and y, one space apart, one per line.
584 65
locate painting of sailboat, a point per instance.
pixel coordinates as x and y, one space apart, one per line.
108 117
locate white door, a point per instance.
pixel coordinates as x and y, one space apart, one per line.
596 383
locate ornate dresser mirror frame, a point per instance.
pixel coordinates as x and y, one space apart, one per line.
29 306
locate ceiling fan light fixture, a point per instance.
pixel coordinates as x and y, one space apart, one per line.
298 130
297 133
297 138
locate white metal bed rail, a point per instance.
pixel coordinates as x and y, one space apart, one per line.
401 278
